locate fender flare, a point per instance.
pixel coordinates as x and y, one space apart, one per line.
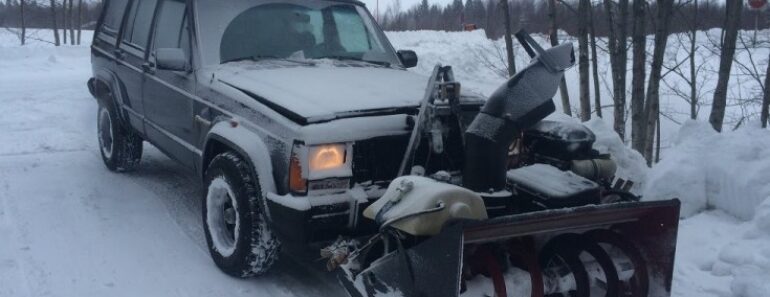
247 144
104 83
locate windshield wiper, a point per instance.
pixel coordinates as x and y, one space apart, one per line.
348 58
266 57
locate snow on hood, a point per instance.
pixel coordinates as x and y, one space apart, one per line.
324 91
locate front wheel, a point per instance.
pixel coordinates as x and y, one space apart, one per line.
238 236
121 148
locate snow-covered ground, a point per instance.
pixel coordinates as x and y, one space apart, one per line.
69 227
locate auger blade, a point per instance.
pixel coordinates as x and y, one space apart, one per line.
645 232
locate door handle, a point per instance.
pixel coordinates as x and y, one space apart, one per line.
148 67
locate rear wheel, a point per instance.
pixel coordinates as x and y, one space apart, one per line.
120 147
237 233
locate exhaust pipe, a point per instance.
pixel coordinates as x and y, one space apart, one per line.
523 101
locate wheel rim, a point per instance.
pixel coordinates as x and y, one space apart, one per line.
222 216
106 138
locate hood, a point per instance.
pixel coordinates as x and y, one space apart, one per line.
325 92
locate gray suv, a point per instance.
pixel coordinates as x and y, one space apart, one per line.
294 113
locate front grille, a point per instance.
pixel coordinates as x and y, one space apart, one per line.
378 159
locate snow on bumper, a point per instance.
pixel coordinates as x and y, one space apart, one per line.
315 218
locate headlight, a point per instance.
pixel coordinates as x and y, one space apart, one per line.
320 168
326 157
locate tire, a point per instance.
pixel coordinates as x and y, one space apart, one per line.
239 238
120 147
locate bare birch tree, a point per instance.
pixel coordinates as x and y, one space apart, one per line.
71 21
732 23
639 40
652 103
54 25
508 38
583 64
617 43
80 20
554 36
766 98
64 20
23 37
595 64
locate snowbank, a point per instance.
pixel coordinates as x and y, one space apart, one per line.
708 170
466 52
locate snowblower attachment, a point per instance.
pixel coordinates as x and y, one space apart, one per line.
554 235
623 249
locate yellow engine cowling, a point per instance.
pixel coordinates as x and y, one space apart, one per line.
421 206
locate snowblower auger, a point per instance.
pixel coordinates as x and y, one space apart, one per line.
548 253
552 225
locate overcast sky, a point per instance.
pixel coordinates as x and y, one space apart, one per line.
405 4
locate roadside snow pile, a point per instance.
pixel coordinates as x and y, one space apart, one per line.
708 170
748 260
466 52
631 164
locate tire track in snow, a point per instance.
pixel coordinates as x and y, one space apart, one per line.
19 270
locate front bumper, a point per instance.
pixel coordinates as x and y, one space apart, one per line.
321 218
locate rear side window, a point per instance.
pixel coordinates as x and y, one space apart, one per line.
113 16
171 30
139 21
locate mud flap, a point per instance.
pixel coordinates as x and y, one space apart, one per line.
645 231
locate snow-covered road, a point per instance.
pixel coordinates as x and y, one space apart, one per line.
69 227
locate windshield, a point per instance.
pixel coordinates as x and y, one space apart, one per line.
296 30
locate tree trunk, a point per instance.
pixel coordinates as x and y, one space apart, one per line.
554 36
732 22
22 4
639 41
64 20
595 64
508 38
766 100
585 94
71 21
618 61
622 74
54 26
657 142
693 74
652 103
80 20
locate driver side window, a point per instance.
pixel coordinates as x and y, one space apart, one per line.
172 28
352 32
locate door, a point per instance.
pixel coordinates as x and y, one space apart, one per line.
131 58
168 102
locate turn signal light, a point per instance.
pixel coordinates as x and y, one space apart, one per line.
297 183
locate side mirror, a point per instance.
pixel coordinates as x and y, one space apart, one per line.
173 59
408 58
